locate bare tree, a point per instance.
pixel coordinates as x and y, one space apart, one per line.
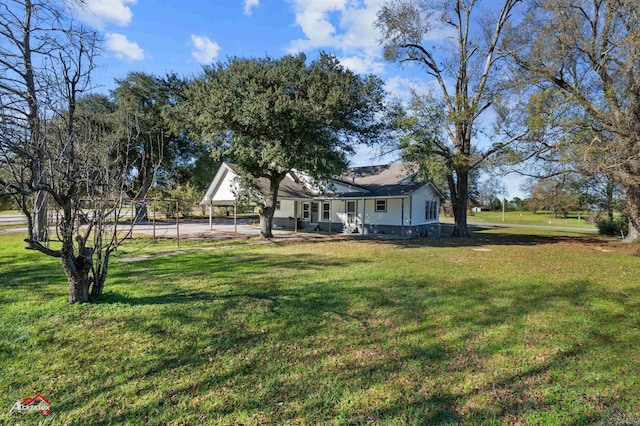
462 69
51 143
581 59
26 38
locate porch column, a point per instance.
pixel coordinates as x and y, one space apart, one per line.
402 218
363 213
235 216
331 214
210 216
411 210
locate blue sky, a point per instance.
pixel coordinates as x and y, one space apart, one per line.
181 36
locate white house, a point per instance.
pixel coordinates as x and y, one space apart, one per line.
384 199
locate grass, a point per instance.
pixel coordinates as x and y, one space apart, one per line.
12 226
502 329
526 218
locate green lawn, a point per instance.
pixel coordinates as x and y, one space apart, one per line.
526 218
502 329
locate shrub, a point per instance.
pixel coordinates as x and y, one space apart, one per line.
6 203
618 226
186 196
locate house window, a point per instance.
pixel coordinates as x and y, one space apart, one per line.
431 210
306 211
326 211
278 205
381 205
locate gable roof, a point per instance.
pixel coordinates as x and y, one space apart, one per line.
383 174
382 180
389 180
290 187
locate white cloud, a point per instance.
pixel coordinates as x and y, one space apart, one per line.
363 64
123 48
343 25
313 18
100 12
249 5
204 50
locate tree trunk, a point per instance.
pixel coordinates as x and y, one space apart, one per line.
633 211
100 277
76 268
459 202
77 271
40 217
267 211
609 197
142 212
36 139
266 222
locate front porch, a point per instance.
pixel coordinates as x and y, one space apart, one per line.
381 216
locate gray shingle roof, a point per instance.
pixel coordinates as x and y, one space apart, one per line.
386 174
381 180
388 180
289 187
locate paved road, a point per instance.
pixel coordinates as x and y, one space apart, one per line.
12 219
193 228
220 229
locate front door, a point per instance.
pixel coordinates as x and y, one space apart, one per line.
351 212
314 213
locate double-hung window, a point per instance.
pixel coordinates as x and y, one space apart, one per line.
326 211
430 210
381 205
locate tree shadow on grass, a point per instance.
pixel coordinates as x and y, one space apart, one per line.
511 396
210 271
324 356
35 274
483 236
259 338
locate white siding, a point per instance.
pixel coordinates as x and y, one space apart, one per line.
393 215
337 207
224 192
286 209
418 201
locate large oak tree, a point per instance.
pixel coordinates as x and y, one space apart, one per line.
463 68
271 116
582 59
160 149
